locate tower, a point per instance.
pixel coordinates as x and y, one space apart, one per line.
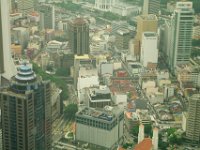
47 17
26 112
155 139
182 26
7 67
151 7
145 23
149 50
193 120
25 6
79 36
141 133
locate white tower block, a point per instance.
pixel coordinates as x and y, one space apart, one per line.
155 139
9 67
141 133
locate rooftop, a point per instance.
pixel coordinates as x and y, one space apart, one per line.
146 144
106 114
150 34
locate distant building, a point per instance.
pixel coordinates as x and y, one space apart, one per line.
78 30
47 17
26 112
125 10
193 120
149 49
99 97
151 7
122 39
25 6
104 5
141 133
145 23
7 67
103 128
183 19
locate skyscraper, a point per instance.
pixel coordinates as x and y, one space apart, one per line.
7 67
79 36
182 26
47 17
193 120
151 7
145 23
26 112
149 49
25 6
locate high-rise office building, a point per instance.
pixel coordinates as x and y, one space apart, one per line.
151 7
78 30
193 120
149 49
47 16
25 6
123 37
7 67
26 112
145 23
182 26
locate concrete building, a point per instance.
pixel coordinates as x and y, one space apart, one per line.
26 112
104 5
193 120
106 68
20 35
166 34
141 133
103 128
125 10
78 30
151 7
145 23
122 39
149 49
47 17
155 138
90 64
131 120
196 32
7 67
99 97
183 19
25 6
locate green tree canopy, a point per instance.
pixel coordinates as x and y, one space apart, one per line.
70 111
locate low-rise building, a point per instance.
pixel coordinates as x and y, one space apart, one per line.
99 97
103 128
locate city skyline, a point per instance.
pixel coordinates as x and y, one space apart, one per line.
99 74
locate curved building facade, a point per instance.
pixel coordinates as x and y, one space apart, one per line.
26 112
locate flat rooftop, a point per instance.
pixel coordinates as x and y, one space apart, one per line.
107 113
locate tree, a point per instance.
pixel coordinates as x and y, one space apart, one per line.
148 129
135 130
70 111
63 72
59 82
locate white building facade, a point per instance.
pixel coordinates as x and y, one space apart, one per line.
149 50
